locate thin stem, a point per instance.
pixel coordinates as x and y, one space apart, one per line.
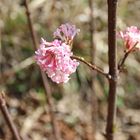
92 66
8 117
94 103
112 55
93 48
122 61
56 131
49 99
30 24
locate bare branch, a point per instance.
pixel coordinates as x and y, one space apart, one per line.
48 94
113 70
92 66
122 61
93 98
8 117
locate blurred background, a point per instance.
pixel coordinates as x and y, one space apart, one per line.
20 78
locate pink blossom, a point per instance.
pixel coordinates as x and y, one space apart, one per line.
66 32
131 37
54 59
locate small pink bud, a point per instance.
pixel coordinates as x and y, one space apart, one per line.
66 33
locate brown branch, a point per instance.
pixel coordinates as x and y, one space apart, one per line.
112 55
92 66
49 99
56 131
93 98
122 61
30 24
93 48
8 117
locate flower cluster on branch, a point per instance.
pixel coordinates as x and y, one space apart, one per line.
55 57
131 37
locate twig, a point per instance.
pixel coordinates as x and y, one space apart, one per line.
92 66
122 61
33 35
53 5
112 54
8 118
56 132
94 103
1 56
93 48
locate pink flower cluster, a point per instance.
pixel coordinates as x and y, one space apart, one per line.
131 37
55 59
66 32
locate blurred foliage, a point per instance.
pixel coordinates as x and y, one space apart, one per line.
47 15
